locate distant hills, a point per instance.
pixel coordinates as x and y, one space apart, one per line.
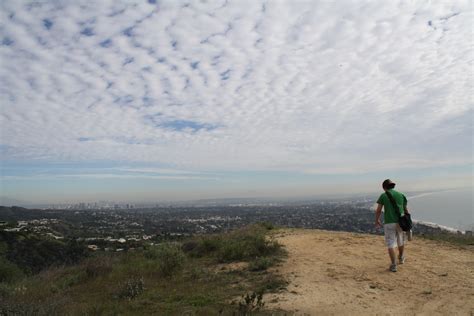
6 201
12 213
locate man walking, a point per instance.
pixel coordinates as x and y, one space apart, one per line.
394 236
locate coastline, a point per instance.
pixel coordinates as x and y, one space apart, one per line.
435 225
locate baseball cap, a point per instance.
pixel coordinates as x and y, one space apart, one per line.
388 184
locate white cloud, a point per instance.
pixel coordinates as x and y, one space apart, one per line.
104 176
154 170
323 86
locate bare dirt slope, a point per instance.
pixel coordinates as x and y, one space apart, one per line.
332 273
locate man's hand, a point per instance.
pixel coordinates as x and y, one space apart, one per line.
378 212
405 209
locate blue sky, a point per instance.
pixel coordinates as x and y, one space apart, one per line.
177 100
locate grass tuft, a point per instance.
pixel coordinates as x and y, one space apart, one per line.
459 240
240 245
260 264
169 258
98 266
131 288
9 271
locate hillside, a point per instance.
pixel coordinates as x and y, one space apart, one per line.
334 273
318 273
202 275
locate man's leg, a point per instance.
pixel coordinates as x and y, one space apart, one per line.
400 251
401 239
391 242
393 257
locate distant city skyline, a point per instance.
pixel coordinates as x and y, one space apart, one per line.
172 100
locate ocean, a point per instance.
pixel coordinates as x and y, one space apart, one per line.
453 208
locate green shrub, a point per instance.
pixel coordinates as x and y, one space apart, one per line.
460 240
131 288
3 248
169 257
203 246
27 306
97 310
69 280
272 283
98 266
5 290
33 253
243 244
9 271
73 279
251 302
197 273
246 244
189 246
260 264
200 300
267 225
210 244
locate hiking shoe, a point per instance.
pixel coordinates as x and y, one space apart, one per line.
393 267
401 259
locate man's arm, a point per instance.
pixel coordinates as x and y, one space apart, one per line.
378 212
405 207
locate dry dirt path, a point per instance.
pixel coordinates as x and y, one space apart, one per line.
332 273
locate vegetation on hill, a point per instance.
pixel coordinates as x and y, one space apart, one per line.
462 240
217 274
32 253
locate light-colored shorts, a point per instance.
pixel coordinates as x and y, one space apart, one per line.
394 235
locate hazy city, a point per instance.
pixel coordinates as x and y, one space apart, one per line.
111 226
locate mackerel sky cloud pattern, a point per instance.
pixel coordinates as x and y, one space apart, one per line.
305 86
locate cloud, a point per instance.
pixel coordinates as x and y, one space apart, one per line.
153 170
387 165
97 172
322 86
135 176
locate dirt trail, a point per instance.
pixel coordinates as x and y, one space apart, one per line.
332 273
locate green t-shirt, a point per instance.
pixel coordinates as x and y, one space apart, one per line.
389 214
